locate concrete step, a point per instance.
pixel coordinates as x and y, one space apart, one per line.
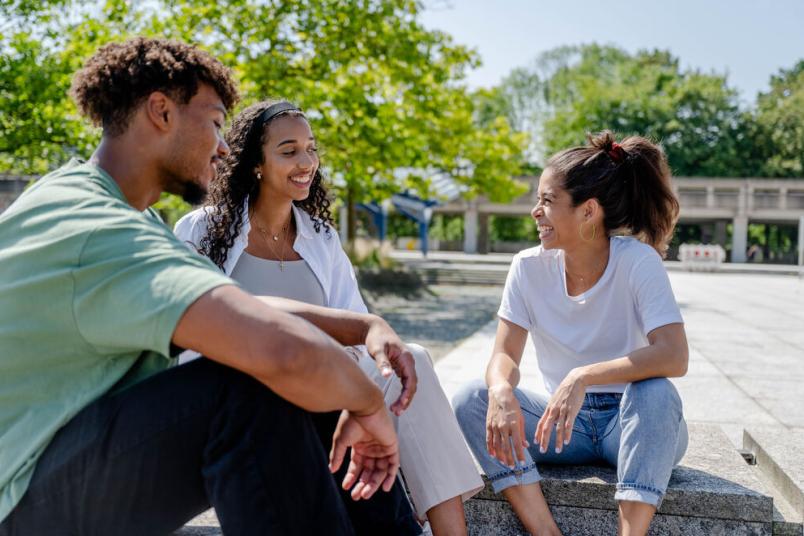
452 276
713 491
779 455
786 521
204 525
442 268
452 257
449 274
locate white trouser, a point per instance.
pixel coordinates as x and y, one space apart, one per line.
435 461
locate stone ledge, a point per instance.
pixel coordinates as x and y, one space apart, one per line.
780 455
712 492
205 524
495 518
712 481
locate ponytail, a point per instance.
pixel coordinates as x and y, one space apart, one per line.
630 180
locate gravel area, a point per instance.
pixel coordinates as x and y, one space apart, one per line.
440 317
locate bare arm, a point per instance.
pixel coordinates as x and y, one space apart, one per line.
347 327
503 369
304 366
504 422
666 356
351 328
288 354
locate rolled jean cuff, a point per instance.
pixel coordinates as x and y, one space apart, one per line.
638 493
515 477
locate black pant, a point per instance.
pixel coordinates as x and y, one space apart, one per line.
146 460
384 513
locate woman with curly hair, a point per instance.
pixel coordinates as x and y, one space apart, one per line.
267 224
607 331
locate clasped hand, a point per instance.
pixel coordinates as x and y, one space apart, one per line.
392 356
505 425
375 452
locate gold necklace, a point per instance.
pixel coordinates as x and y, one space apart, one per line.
264 233
581 279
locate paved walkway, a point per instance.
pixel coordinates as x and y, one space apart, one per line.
746 336
440 318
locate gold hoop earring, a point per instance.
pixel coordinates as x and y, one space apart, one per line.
594 232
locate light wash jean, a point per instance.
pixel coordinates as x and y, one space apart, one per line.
641 432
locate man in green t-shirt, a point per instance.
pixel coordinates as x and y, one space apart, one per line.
97 435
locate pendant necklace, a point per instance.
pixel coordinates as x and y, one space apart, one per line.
275 237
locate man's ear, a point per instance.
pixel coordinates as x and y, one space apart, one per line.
160 110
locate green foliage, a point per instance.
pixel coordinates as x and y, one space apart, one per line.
446 227
512 229
40 127
571 91
382 91
171 208
399 225
694 115
780 122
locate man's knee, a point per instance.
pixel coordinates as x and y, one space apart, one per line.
242 397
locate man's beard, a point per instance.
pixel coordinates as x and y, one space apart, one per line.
193 193
188 189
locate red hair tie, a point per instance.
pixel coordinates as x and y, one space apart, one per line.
616 153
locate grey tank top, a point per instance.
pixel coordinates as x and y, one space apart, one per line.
262 277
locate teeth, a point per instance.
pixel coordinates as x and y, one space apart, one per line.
300 180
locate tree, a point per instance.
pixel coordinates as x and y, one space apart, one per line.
381 91
572 91
40 126
780 123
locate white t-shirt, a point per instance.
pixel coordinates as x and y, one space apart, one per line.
610 320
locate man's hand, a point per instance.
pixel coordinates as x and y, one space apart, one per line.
375 452
392 356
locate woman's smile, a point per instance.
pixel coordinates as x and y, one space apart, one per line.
546 232
302 181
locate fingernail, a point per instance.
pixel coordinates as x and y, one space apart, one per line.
542 449
566 441
558 450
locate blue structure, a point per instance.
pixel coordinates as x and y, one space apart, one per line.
419 210
379 216
414 207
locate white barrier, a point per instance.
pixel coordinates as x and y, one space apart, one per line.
704 257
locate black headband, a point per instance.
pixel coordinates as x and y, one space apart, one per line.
276 109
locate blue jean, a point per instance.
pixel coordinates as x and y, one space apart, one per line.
641 432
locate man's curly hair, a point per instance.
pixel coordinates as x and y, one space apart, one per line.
120 76
236 181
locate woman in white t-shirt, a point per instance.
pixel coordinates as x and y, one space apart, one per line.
607 331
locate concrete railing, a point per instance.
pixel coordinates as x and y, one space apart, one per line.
719 200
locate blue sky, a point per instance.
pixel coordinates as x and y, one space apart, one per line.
747 40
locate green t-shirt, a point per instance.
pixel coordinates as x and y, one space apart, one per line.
91 290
